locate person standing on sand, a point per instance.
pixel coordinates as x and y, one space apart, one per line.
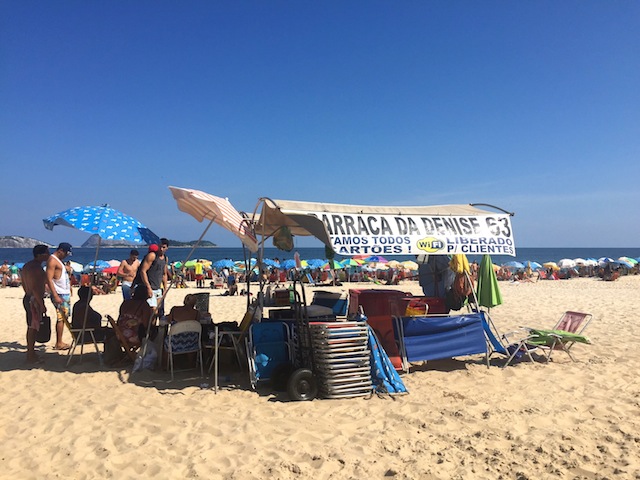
34 282
127 271
60 288
198 269
4 271
153 273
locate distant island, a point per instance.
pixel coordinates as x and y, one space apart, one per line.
92 242
16 241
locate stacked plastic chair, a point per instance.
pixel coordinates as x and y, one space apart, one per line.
341 357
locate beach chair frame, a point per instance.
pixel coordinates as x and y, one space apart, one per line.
130 350
571 322
78 338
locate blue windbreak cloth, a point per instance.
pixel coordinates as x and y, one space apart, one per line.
435 338
495 343
383 374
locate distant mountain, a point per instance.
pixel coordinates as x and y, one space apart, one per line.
203 243
92 242
16 241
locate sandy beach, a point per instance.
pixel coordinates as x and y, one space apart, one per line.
460 420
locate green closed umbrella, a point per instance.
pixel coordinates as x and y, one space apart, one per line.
488 290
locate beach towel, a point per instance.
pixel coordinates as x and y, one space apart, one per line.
549 337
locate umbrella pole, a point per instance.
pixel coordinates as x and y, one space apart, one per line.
198 242
247 266
473 290
86 310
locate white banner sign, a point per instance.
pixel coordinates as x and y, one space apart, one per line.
371 234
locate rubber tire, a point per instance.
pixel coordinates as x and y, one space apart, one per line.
280 376
302 385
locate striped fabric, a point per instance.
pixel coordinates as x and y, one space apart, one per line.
182 342
201 205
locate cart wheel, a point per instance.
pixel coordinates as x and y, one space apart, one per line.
302 385
280 376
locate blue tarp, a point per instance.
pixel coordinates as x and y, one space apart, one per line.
434 338
383 374
495 343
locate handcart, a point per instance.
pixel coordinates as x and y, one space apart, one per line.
331 358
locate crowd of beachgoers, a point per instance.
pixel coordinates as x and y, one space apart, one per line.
366 269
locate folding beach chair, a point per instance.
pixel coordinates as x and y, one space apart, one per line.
568 331
128 344
518 345
76 333
503 344
310 281
202 302
268 347
233 339
182 338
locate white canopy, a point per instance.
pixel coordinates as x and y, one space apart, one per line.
401 230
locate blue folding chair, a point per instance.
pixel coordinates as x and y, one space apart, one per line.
268 346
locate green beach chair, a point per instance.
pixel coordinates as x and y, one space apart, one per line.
568 331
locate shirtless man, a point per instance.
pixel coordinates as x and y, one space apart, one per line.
60 288
4 271
127 271
34 281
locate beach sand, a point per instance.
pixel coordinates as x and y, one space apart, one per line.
461 420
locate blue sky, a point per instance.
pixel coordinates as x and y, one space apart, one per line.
531 106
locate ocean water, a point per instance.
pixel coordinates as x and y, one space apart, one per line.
541 255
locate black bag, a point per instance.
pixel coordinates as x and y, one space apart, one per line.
44 334
453 300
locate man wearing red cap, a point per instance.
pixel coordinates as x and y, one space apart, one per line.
153 273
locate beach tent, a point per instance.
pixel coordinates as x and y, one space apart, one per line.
362 231
384 230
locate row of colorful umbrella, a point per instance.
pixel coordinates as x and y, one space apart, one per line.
369 263
573 263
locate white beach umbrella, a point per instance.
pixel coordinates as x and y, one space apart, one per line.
77 267
581 262
602 261
566 263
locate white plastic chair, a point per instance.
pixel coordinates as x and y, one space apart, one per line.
176 346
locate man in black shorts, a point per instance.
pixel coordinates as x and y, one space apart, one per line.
34 280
